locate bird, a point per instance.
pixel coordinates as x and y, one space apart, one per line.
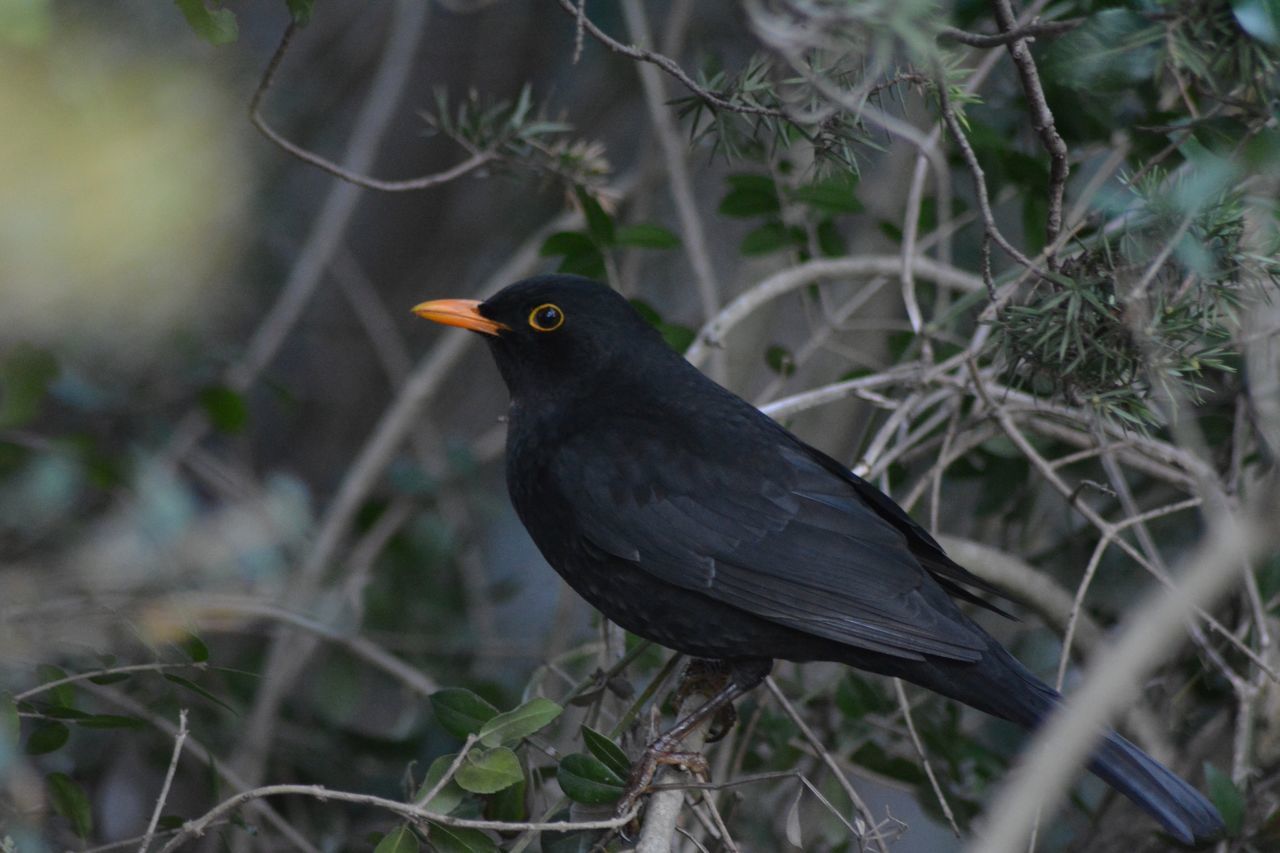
688 517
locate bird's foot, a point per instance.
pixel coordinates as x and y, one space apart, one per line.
660 753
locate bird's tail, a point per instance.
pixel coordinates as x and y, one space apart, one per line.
1181 809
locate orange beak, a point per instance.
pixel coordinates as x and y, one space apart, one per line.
458 312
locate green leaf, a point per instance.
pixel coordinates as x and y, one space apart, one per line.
300 10
567 243
47 737
856 697
399 840
609 753
873 757
10 724
111 677
460 711
576 841
599 223
196 649
188 684
513 726
59 712
1259 18
586 779
455 839
111 721
590 264
1224 794
69 800
768 238
830 240
833 195
216 26
678 337
780 360
509 804
25 374
225 408
750 195
450 796
487 771
646 236
64 695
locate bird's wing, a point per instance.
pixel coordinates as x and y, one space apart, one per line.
765 528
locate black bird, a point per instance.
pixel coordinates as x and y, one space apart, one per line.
691 519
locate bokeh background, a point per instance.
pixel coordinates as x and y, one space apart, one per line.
233 464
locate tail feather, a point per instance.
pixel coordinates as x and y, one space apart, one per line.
1024 699
1181 809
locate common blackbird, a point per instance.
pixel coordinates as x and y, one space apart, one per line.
688 517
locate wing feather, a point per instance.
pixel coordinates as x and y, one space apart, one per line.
767 529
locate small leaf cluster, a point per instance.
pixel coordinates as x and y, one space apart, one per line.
1229 51
802 218
218 26
1152 306
587 252
490 778
57 705
764 118
517 132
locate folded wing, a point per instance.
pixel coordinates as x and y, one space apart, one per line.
769 529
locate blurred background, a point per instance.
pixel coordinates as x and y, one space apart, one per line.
237 477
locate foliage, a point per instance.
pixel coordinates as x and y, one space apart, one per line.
252 514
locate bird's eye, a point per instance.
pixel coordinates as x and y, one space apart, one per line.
546 318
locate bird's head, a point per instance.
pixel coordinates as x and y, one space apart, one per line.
547 330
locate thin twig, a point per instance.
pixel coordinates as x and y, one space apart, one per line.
196 828
402 29
666 63
178 741
1047 29
449 773
1041 121
828 759
712 334
924 757
1064 743
674 153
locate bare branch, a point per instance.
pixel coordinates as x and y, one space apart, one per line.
1047 29
405 31
178 741
666 63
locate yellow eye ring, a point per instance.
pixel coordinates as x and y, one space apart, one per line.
546 317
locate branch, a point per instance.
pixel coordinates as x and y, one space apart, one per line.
1041 120
666 63
663 809
195 828
713 332
1064 743
674 151
828 759
405 32
178 741
1048 29
335 213
284 661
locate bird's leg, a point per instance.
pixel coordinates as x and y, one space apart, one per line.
707 678
742 677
